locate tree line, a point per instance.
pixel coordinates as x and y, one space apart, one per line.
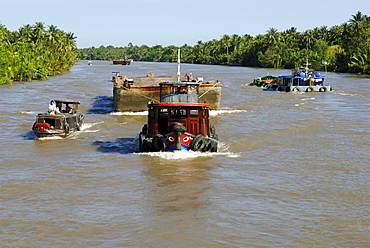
35 52
341 48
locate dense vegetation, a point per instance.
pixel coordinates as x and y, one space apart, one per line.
344 48
35 52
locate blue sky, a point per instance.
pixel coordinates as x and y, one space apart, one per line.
174 22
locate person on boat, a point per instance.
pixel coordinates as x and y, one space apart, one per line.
178 91
52 108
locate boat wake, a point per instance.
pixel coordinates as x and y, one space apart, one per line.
49 138
225 111
345 94
86 126
130 113
27 112
177 155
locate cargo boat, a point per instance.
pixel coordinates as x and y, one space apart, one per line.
179 121
64 122
301 80
131 94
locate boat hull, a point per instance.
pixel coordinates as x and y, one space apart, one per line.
301 88
53 133
57 125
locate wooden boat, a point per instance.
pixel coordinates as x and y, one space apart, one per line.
131 94
122 62
64 122
178 121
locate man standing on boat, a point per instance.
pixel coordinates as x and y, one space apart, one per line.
52 108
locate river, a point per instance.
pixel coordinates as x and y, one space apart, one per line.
292 169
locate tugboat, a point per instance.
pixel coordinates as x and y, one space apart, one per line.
60 123
178 121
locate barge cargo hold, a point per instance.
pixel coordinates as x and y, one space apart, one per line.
132 94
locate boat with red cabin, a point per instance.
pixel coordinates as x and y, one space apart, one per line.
179 121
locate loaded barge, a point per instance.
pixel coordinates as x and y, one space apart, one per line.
131 94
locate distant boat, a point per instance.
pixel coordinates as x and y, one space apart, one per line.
122 62
89 63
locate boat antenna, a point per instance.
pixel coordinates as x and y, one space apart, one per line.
178 65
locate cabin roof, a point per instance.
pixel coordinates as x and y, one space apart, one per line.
308 77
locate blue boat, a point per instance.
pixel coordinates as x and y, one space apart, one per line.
302 80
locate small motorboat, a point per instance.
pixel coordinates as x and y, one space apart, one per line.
60 123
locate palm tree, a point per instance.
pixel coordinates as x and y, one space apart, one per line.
272 35
356 20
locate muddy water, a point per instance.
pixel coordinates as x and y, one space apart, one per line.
293 168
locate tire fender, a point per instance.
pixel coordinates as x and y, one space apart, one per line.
198 143
159 143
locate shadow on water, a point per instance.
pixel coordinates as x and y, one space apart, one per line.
30 135
121 145
102 105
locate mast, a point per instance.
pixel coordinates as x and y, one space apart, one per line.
178 65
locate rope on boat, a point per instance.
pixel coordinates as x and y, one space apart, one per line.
218 83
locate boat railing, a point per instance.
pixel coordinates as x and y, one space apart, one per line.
189 98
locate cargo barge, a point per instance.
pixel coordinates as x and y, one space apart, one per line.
132 94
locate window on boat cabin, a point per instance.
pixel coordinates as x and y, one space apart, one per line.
178 113
179 90
162 112
194 113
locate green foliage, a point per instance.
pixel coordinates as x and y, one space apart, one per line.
35 52
344 48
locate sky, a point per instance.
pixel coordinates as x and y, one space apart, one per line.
174 22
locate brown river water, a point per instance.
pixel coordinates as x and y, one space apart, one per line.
292 171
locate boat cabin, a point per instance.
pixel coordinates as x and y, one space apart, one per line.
178 121
65 106
179 105
194 117
303 77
